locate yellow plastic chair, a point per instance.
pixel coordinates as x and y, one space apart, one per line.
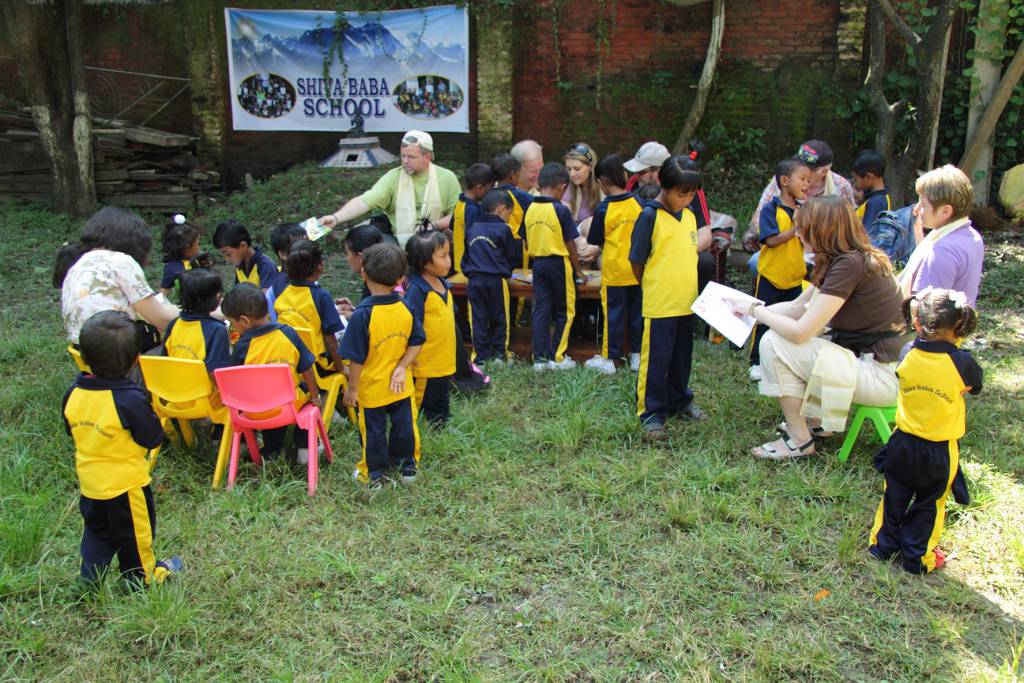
334 384
76 356
181 390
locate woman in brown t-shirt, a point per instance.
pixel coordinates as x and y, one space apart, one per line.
857 297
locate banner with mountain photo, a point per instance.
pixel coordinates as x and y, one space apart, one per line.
328 71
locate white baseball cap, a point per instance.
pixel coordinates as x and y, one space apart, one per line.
650 154
418 137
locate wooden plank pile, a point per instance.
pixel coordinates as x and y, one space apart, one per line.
133 165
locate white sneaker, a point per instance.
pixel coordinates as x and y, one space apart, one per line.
754 373
302 456
564 364
601 364
336 416
634 362
542 365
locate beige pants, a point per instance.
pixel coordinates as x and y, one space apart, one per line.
786 366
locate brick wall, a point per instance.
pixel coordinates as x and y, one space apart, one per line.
777 56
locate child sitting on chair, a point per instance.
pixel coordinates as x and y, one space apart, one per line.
251 265
180 245
382 340
195 334
301 302
281 240
113 424
263 342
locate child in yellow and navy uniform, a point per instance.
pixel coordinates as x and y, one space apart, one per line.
114 427
300 302
663 255
428 298
506 174
491 251
381 341
921 461
180 245
781 268
478 181
251 265
195 334
869 178
550 234
281 239
263 343
621 297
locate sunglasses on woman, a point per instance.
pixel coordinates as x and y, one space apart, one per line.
583 151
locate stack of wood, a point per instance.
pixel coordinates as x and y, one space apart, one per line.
133 165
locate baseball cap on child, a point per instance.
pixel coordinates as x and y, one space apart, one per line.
815 153
650 154
418 137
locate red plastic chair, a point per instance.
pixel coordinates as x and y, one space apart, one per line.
263 397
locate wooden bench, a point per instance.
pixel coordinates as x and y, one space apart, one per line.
521 338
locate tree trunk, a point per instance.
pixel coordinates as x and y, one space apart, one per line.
46 42
988 48
987 125
929 51
707 75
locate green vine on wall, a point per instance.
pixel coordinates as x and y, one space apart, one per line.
602 45
556 40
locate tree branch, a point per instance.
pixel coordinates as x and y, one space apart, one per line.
884 114
707 75
903 27
987 124
935 38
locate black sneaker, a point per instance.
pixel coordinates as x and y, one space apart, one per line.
380 483
409 476
654 431
691 411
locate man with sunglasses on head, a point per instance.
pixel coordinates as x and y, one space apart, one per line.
417 190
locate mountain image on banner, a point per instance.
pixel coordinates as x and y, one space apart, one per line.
371 47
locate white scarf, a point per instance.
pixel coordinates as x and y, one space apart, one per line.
830 387
406 216
830 186
906 276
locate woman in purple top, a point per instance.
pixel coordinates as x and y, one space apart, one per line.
952 255
582 197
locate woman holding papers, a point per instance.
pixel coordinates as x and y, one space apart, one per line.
818 373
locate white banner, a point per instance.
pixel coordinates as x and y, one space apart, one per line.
400 70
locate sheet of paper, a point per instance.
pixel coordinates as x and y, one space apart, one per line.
712 307
314 228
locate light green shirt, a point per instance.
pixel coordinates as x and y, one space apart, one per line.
384 192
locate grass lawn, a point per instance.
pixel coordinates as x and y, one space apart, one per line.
543 541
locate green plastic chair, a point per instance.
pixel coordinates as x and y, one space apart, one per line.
882 418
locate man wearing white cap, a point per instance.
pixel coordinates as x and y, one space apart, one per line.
418 189
645 165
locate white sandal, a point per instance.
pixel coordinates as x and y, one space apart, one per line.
788 450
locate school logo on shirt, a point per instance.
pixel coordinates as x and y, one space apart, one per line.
483 238
931 390
389 337
92 425
180 350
